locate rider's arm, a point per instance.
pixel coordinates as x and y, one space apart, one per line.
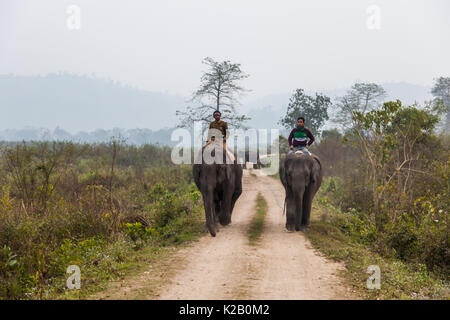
311 138
210 131
225 131
291 136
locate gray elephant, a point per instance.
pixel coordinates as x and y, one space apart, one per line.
220 185
301 176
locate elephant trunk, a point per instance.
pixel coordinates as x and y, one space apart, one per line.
298 208
294 204
208 200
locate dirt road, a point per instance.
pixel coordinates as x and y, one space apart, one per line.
281 266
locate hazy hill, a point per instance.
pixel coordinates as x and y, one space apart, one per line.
131 136
89 109
82 103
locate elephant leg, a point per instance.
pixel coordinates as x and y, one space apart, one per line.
307 203
290 211
218 213
234 199
218 209
225 217
237 186
237 193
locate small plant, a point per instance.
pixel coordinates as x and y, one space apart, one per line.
8 260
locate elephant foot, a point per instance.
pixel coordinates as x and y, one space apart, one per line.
290 228
225 221
302 228
212 230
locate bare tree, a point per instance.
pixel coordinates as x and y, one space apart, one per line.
219 90
362 97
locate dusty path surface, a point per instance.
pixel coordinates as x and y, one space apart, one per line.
281 265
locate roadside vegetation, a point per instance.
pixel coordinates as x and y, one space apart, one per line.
102 207
385 195
347 236
257 223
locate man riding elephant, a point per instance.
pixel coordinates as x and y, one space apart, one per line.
218 177
217 126
298 138
301 174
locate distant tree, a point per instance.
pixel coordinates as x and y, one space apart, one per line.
313 109
441 93
388 140
61 134
283 145
362 97
333 133
219 90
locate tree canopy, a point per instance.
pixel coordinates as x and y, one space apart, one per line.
441 93
219 90
313 109
362 97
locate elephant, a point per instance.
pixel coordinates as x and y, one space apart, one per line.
301 176
220 185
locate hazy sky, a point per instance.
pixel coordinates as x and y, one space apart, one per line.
283 45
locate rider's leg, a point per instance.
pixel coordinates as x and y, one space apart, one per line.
230 154
305 150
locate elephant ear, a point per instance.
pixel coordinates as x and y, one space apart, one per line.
316 174
282 172
196 169
318 161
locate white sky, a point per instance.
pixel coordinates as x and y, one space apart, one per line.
283 45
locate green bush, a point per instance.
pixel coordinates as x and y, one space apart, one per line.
402 236
418 235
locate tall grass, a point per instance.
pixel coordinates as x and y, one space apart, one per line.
64 203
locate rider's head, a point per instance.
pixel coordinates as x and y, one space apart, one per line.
217 115
300 122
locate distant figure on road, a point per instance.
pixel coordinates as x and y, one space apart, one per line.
298 138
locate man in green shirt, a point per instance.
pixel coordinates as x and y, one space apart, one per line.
300 138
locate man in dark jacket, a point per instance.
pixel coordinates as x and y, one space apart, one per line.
222 127
218 124
298 138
